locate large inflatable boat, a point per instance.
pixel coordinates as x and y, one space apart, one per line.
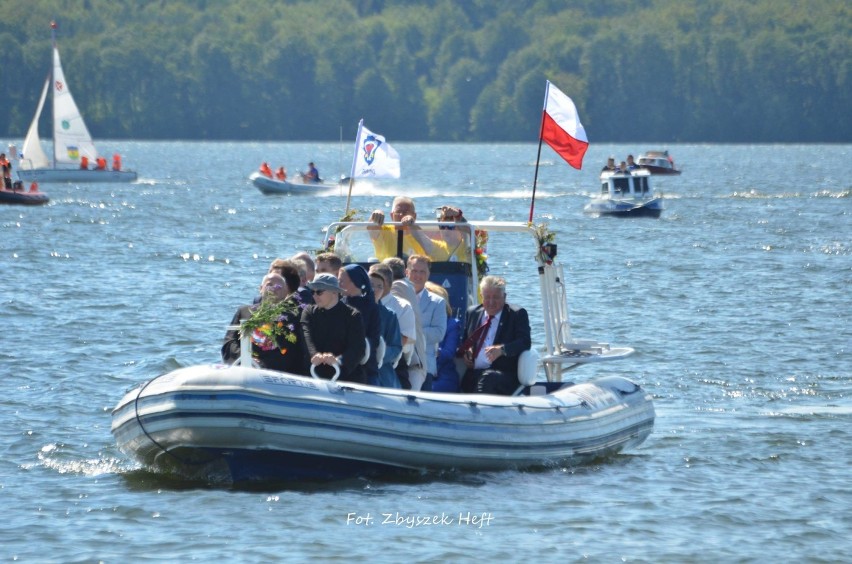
241 423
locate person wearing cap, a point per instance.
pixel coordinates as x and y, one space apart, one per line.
333 331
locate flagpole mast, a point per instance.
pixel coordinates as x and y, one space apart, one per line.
352 170
538 156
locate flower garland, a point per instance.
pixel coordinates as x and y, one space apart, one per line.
350 216
480 252
546 246
271 321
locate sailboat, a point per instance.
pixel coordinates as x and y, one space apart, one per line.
71 139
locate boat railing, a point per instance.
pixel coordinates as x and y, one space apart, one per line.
245 346
564 352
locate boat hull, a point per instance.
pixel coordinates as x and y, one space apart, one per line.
658 170
22 198
243 424
75 175
271 186
626 208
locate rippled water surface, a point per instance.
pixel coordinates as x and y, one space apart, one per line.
736 300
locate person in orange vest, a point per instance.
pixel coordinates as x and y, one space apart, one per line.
6 166
265 170
84 162
100 163
281 173
116 162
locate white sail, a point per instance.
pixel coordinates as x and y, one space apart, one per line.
71 139
32 155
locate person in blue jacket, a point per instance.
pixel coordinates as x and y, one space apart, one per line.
390 347
447 379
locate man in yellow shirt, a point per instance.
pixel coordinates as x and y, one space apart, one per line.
414 240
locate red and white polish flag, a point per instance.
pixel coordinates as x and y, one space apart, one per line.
561 127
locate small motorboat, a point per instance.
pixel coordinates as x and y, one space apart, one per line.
270 186
657 162
626 194
17 195
240 423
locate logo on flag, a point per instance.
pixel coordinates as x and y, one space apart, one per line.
374 157
371 145
73 152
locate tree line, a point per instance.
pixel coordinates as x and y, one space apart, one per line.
729 71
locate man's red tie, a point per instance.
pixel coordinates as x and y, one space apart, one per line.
483 331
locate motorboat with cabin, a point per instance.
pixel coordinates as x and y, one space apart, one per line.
657 162
626 194
241 423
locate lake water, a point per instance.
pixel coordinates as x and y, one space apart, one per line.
737 301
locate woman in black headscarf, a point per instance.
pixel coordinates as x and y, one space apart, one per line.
358 293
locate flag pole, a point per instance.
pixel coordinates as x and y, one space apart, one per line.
538 156
352 170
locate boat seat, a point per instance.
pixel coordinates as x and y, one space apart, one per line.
527 369
455 277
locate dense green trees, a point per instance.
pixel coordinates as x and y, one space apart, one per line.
650 70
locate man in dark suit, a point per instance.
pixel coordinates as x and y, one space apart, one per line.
495 335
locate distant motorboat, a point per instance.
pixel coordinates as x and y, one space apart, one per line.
657 162
296 185
17 195
626 194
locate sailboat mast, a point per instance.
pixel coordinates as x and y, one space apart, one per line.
53 89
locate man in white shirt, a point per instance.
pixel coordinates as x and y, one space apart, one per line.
495 335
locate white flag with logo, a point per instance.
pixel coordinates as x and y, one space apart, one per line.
374 157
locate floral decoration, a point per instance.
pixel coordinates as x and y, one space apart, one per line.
349 216
546 248
272 321
480 253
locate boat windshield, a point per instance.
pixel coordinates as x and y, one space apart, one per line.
369 243
621 185
448 247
